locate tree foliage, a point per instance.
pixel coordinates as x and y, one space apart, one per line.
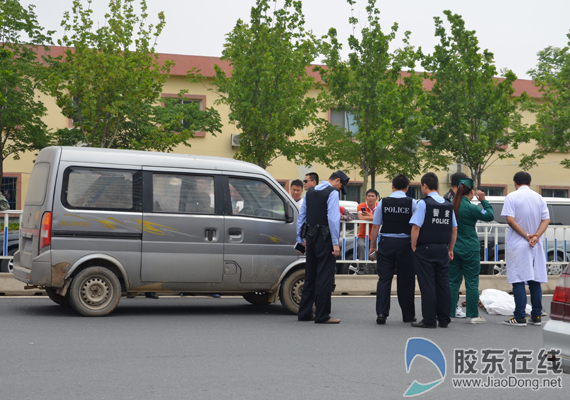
475 121
383 100
552 127
109 82
21 125
268 87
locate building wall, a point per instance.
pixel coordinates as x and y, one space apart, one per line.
548 173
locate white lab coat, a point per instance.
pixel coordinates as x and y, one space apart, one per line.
525 263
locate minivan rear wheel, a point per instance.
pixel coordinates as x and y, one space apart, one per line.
258 298
57 298
94 292
291 291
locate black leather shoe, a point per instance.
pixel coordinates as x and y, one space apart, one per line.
422 325
412 320
381 320
443 325
151 295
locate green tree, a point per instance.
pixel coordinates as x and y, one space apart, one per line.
109 82
267 92
21 125
475 120
552 127
371 89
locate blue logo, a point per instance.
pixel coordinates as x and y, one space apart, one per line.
421 347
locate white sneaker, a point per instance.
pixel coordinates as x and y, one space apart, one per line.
478 320
459 313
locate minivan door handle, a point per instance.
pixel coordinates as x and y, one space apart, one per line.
235 234
210 234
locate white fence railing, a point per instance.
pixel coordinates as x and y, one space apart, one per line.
5 244
556 241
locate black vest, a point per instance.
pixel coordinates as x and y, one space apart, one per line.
317 209
437 222
396 214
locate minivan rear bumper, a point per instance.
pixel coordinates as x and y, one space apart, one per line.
39 273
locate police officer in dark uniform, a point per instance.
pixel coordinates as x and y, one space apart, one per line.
394 250
318 228
434 230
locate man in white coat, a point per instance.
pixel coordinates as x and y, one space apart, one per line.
528 217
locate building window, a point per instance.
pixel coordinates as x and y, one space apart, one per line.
415 192
9 190
190 99
493 190
344 120
353 192
554 192
284 184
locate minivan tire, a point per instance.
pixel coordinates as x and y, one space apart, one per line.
57 298
291 290
94 292
258 298
8 265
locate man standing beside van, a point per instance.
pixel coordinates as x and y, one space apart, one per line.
297 191
395 251
528 217
318 228
434 231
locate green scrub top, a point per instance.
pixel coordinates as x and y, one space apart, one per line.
467 240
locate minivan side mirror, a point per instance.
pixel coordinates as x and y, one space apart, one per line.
289 214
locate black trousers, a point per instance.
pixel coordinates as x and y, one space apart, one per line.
396 253
319 279
432 270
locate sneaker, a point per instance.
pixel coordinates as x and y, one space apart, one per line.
459 313
515 322
535 321
478 320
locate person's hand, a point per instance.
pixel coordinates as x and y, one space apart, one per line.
450 254
304 245
532 240
480 195
372 250
336 250
413 247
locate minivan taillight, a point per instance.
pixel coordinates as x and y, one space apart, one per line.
45 232
561 296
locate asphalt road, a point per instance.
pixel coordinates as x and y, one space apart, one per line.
208 348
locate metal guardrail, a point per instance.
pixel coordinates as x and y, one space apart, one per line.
7 215
556 241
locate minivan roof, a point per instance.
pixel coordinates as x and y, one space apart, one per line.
156 159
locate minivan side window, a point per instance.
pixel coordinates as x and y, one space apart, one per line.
255 198
187 194
560 214
102 189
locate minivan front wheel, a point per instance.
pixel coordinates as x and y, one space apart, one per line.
291 291
95 292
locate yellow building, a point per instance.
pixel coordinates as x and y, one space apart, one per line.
549 178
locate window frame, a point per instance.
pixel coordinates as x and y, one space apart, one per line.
202 99
137 196
549 187
149 183
492 185
228 211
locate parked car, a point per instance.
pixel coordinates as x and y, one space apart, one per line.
556 332
99 224
7 265
559 209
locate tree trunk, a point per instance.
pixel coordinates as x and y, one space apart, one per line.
363 189
373 178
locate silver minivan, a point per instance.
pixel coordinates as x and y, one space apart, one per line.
99 224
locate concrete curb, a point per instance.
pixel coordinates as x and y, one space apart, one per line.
345 285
